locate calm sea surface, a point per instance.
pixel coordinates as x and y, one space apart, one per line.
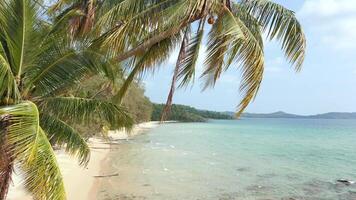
247 159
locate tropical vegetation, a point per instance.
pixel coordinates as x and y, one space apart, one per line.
37 69
100 87
184 113
143 33
47 50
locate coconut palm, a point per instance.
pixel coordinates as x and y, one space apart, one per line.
143 33
38 66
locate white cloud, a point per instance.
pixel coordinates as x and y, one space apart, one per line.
328 8
331 23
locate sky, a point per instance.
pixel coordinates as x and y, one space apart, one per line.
327 82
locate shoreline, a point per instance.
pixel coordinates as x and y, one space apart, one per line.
138 129
80 182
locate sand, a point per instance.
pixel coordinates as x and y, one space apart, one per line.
82 183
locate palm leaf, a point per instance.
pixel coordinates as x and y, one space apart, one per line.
242 46
189 59
42 174
33 151
225 38
216 51
281 24
82 110
8 89
62 134
18 32
61 67
157 54
139 25
115 11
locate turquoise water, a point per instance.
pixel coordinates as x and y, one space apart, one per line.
245 159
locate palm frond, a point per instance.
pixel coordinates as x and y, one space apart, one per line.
114 12
42 174
155 21
33 151
242 45
127 23
78 15
9 88
18 32
281 24
84 110
225 34
61 22
62 134
152 58
251 56
61 67
57 69
189 59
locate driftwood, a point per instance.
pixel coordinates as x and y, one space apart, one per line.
345 181
106 176
112 143
100 147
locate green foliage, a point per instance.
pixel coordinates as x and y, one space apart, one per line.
33 151
38 68
82 110
236 37
134 31
138 106
62 134
184 113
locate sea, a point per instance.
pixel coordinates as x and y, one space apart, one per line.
248 159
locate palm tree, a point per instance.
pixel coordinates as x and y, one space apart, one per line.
38 66
143 33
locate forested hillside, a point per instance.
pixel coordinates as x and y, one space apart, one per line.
187 114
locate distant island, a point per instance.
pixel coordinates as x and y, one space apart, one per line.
280 114
184 113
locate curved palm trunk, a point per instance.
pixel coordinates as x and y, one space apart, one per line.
167 107
6 158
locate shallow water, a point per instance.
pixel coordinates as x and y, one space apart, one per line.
245 159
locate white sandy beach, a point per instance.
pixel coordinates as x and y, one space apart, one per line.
81 183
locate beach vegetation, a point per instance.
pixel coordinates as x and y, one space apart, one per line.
38 66
184 113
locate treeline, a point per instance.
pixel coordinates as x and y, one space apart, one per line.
184 113
141 109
